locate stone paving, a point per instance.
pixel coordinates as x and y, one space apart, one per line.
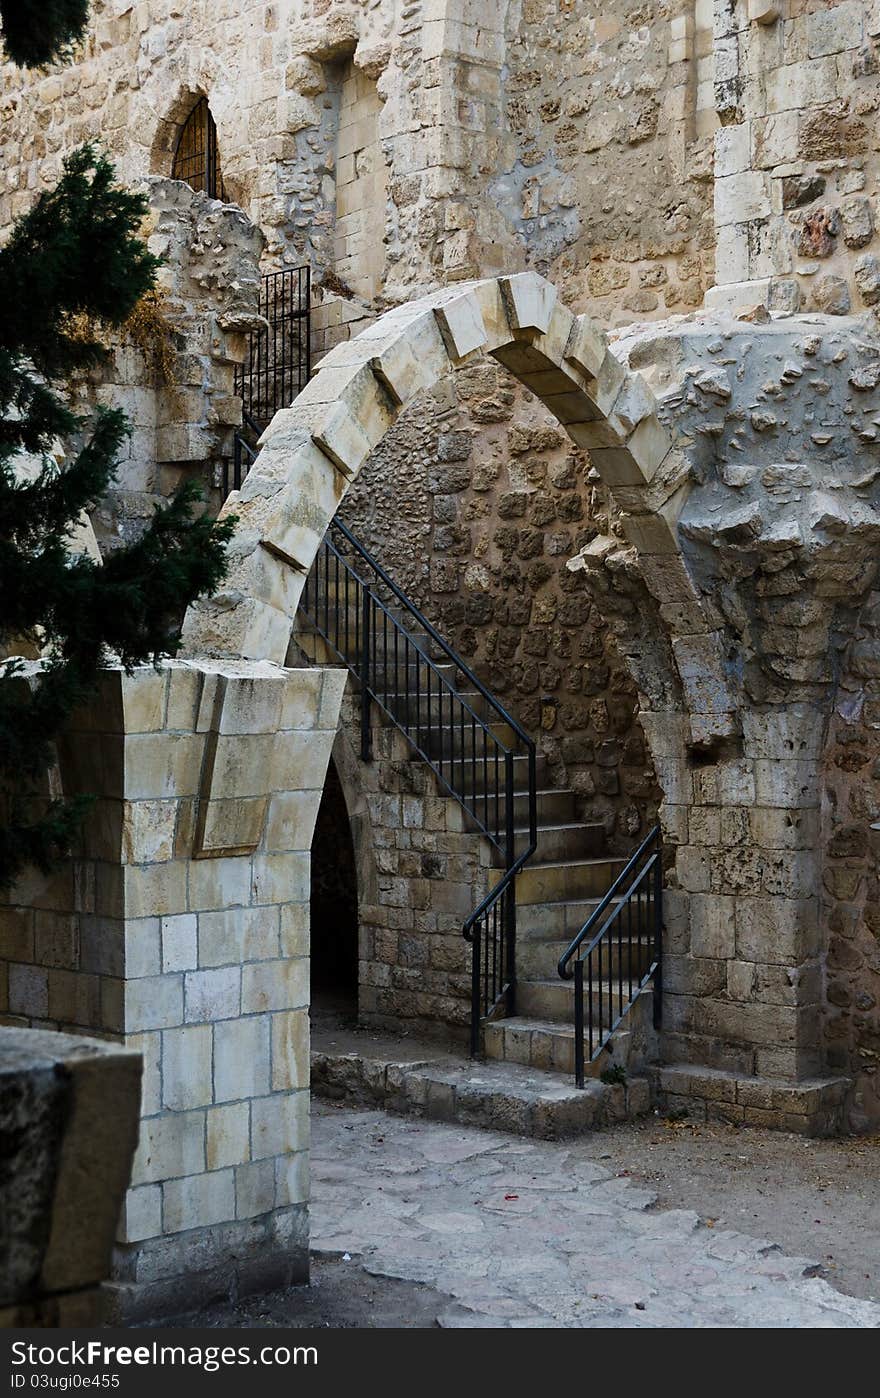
524 1233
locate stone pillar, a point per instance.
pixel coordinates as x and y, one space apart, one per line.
182 930
743 972
778 534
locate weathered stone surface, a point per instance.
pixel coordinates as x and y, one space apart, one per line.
69 1108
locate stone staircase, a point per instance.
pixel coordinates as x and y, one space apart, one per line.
565 879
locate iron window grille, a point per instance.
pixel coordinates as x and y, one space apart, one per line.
197 159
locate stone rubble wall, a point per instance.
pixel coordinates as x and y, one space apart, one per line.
181 929
473 503
172 372
605 164
850 824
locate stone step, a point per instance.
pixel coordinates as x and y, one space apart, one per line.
423 707
553 808
416 663
558 921
537 958
560 842
463 776
467 739
560 882
317 649
551 998
548 1045
500 1096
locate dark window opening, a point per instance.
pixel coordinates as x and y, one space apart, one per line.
197 159
334 915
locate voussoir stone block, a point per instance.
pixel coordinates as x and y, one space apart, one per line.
586 347
529 301
413 361
461 325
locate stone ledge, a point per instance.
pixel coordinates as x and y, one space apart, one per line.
172 1276
497 1096
812 1107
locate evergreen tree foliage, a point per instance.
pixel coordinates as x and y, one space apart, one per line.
36 32
74 260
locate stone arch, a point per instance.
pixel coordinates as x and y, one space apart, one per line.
313 450
711 551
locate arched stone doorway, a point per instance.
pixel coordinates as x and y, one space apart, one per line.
734 711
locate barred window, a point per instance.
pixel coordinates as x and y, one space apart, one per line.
197 160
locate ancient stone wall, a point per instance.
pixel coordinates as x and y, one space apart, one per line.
419 875
851 875
605 169
171 369
474 502
797 159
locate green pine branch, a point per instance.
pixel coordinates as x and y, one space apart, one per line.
37 32
73 266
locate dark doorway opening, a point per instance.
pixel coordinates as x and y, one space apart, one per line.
334 916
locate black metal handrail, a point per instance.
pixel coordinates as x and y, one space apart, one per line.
627 923
244 453
349 599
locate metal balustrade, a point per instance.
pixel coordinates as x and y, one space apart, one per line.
605 956
277 365
478 752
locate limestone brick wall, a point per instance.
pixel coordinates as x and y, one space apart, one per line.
181 929
419 876
797 160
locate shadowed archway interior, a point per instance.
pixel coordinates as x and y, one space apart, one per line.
334 904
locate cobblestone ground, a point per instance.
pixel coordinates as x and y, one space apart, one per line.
532 1234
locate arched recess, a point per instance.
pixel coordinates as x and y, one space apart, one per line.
196 158
312 451
355 811
206 95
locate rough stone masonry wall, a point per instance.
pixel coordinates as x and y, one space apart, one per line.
172 368
605 164
772 964
474 502
851 876
181 929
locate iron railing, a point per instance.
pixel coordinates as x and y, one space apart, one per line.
617 951
277 365
244 454
478 752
